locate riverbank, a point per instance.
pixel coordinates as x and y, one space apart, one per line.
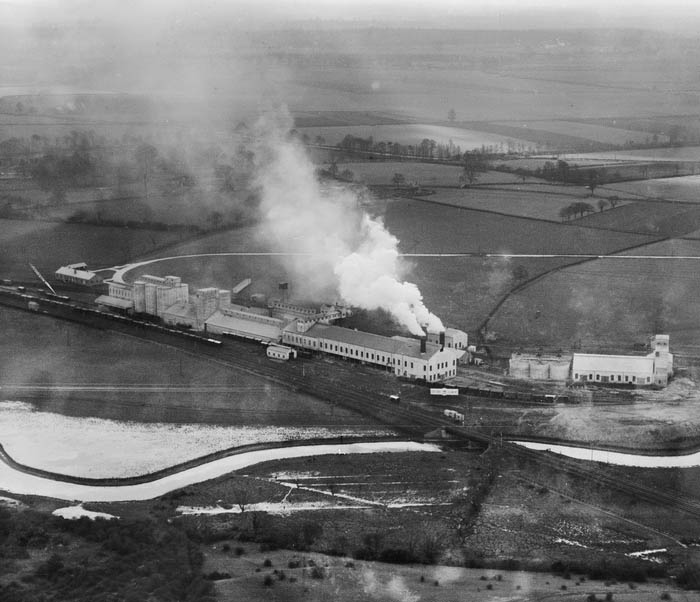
25 480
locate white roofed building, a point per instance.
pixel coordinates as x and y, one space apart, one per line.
119 296
653 369
407 357
77 273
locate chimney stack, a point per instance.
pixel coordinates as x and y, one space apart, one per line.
423 341
442 340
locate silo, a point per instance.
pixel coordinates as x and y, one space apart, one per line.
559 370
519 367
539 370
139 297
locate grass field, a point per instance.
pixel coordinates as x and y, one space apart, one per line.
462 290
597 133
608 304
536 202
657 218
38 351
686 188
382 172
682 153
49 245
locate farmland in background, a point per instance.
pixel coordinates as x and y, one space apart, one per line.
598 133
685 188
536 202
676 153
412 133
382 172
463 290
607 304
660 218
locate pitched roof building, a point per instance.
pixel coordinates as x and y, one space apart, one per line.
407 357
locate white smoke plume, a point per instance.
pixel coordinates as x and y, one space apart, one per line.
336 247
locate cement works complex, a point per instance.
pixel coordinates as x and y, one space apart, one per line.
407 418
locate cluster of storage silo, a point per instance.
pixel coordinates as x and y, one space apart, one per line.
533 367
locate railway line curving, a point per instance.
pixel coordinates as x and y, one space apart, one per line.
410 420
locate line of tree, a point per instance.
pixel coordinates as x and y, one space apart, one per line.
578 209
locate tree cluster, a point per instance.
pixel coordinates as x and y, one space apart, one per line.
578 209
109 560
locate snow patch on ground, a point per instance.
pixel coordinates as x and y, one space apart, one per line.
96 447
76 512
569 542
9 502
650 555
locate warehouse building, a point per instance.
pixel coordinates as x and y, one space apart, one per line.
653 369
120 296
239 321
77 273
406 357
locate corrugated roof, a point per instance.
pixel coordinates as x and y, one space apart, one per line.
590 362
269 330
114 302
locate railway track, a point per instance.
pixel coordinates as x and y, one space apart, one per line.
411 420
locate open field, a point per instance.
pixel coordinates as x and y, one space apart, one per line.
49 245
682 153
536 202
109 377
597 133
382 172
311 119
463 290
364 581
665 219
520 516
608 304
685 188
411 133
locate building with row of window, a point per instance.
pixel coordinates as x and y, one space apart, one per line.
78 273
406 357
652 369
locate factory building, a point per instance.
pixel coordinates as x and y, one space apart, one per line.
284 310
153 294
653 369
119 296
77 273
247 323
539 367
406 357
454 339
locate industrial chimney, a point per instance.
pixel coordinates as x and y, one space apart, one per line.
423 341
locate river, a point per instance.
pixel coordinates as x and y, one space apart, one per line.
617 458
18 482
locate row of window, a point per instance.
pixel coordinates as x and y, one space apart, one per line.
611 378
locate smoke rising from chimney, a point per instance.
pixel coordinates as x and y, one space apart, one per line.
336 246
